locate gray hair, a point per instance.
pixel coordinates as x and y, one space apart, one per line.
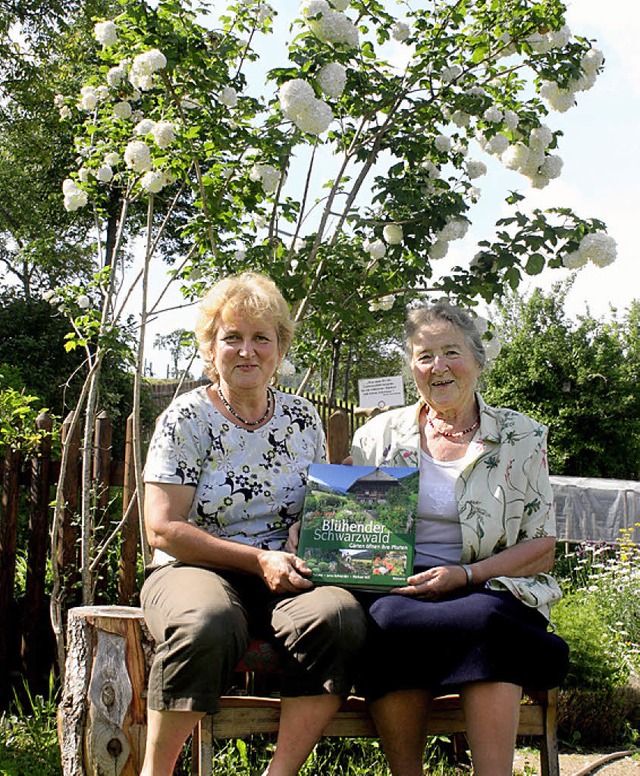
417 317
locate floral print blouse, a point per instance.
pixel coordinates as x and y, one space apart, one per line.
504 495
248 484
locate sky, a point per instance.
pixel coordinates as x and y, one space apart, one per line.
600 178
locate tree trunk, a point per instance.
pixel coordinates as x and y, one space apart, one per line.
9 491
101 717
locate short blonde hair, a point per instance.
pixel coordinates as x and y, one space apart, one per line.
249 294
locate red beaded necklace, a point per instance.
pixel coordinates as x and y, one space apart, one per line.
453 434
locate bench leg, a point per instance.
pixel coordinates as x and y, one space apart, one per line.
202 748
549 761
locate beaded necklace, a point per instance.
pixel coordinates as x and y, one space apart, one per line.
453 434
242 420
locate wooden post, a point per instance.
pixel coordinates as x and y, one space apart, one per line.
127 584
10 491
101 469
67 560
338 438
102 714
35 658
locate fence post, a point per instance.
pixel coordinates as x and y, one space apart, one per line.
67 560
35 622
338 438
127 583
8 540
101 470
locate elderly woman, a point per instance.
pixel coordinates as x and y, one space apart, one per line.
474 615
225 479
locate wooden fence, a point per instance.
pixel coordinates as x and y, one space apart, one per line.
28 487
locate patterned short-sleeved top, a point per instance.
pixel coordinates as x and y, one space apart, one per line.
248 484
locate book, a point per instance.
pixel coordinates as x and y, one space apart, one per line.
358 525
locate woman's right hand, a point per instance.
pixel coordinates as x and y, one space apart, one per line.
284 572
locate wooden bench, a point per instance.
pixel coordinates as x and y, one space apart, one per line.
102 713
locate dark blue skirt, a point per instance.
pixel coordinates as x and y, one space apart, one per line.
477 635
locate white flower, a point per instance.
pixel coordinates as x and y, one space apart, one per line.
74 197
492 347
455 229
476 169
442 143
104 174
592 61
58 100
498 144
559 38
511 119
112 158
315 119
144 127
163 133
239 254
386 302
115 76
149 62
286 368
295 96
265 12
229 97
328 25
432 169
122 110
83 301
438 250
599 248
137 156
538 181
460 118
340 5
267 174
102 92
560 100
400 31
450 74
65 112
332 78
539 43
105 33
460 148
515 157
574 260
89 100
552 166
393 234
84 175
375 248
153 181
493 115
540 137
142 82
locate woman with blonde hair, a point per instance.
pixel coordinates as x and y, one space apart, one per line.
225 479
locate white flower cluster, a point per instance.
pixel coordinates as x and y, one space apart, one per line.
268 175
400 31
542 43
375 248
561 99
454 229
383 303
143 68
74 196
229 97
596 247
329 26
332 79
299 103
286 368
105 33
393 234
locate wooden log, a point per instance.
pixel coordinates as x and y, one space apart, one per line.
102 714
9 497
338 436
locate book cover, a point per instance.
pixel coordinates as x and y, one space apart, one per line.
358 525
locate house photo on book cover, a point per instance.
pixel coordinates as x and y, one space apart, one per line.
358 525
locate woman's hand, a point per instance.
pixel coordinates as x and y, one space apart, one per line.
434 583
284 572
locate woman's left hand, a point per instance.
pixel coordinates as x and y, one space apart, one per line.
293 539
434 583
